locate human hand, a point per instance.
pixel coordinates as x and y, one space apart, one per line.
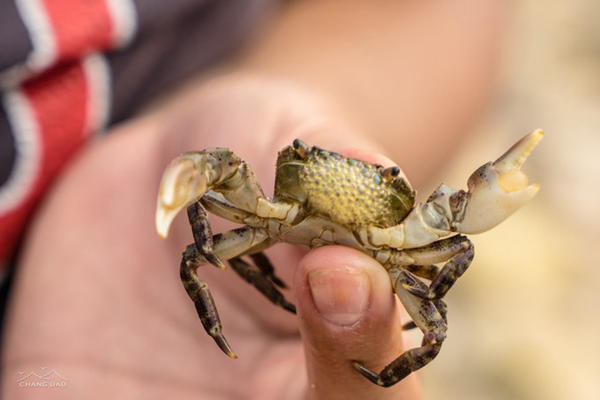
101 302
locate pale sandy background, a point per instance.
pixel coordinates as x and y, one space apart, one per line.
525 319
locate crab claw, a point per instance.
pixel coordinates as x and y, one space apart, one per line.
181 184
186 179
498 189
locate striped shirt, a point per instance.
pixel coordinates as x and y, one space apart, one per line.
71 68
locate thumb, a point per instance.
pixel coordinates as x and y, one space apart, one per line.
347 311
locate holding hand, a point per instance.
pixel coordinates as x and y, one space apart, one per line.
124 323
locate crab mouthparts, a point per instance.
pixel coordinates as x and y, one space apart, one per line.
508 166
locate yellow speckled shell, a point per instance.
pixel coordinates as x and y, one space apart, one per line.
348 191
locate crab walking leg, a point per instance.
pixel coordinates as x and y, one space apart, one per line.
214 203
434 253
426 316
442 309
205 306
203 236
261 283
225 210
449 273
409 325
230 245
424 271
234 243
420 262
266 268
227 245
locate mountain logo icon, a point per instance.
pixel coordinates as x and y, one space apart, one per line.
44 377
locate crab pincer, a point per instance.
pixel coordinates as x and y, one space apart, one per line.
498 189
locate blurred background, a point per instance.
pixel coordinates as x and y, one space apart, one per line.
524 319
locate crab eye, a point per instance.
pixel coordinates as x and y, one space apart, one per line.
390 173
300 147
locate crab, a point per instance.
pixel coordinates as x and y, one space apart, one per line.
323 198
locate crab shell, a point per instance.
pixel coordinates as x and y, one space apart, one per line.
350 192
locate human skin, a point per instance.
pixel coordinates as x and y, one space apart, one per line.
97 295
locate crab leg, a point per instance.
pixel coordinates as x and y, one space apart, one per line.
266 268
199 292
429 271
223 209
457 252
234 243
261 282
442 308
230 246
450 272
227 245
433 253
247 240
409 325
203 236
426 316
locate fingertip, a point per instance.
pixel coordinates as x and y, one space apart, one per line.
341 286
347 311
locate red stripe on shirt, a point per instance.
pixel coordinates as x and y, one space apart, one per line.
80 26
58 100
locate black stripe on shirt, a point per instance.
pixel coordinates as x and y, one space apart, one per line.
7 148
14 37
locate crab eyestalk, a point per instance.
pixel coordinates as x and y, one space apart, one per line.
498 189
